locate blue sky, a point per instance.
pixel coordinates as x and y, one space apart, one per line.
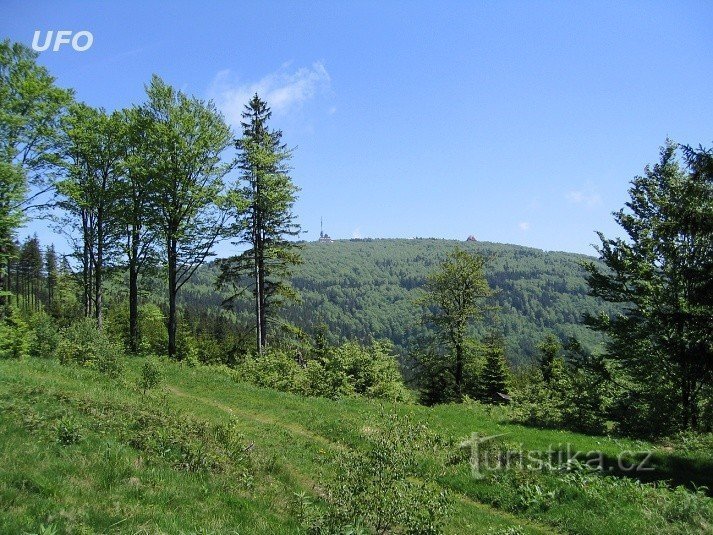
517 122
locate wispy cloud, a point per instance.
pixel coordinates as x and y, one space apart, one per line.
524 226
356 233
588 198
284 90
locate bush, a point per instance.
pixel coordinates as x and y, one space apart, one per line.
569 400
150 376
14 337
377 490
68 431
273 369
82 343
153 336
346 370
45 336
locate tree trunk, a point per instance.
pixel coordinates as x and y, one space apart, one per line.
98 273
134 295
86 268
258 310
172 290
4 286
263 308
459 368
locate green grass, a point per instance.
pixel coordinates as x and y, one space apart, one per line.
81 453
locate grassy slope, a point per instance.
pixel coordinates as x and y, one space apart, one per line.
103 484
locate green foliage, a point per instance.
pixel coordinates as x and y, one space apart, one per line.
45 336
661 346
561 394
150 376
493 378
455 298
273 369
367 290
30 105
377 490
153 336
370 371
263 219
68 431
83 344
185 140
90 156
14 336
336 372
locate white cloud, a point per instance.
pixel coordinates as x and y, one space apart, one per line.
356 234
524 226
283 90
588 198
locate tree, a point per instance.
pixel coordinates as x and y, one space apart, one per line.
28 271
138 214
52 273
550 350
30 107
494 375
262 208
187 137
661 345
455 295
91 156
12 193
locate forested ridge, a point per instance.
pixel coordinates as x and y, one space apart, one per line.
367 289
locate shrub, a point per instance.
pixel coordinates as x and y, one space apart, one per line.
82 343
14 337
377 490
153 336
45 336
372 371
68 431
150 376
273 369
689 507
346 370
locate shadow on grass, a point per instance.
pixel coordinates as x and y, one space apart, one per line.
691 472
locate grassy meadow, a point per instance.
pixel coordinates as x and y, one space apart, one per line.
202 453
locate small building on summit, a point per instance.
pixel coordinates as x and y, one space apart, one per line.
323 238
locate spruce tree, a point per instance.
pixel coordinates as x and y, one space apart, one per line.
661 346
262 209
494 375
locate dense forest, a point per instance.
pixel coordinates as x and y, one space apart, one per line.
368 290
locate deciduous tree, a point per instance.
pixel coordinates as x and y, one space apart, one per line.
30 107
456 295
187 137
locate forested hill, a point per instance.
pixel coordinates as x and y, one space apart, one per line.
365 289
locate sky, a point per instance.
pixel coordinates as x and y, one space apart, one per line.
514 122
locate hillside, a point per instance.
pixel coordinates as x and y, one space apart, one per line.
366 289
202 453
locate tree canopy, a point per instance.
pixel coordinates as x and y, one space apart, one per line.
661 345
